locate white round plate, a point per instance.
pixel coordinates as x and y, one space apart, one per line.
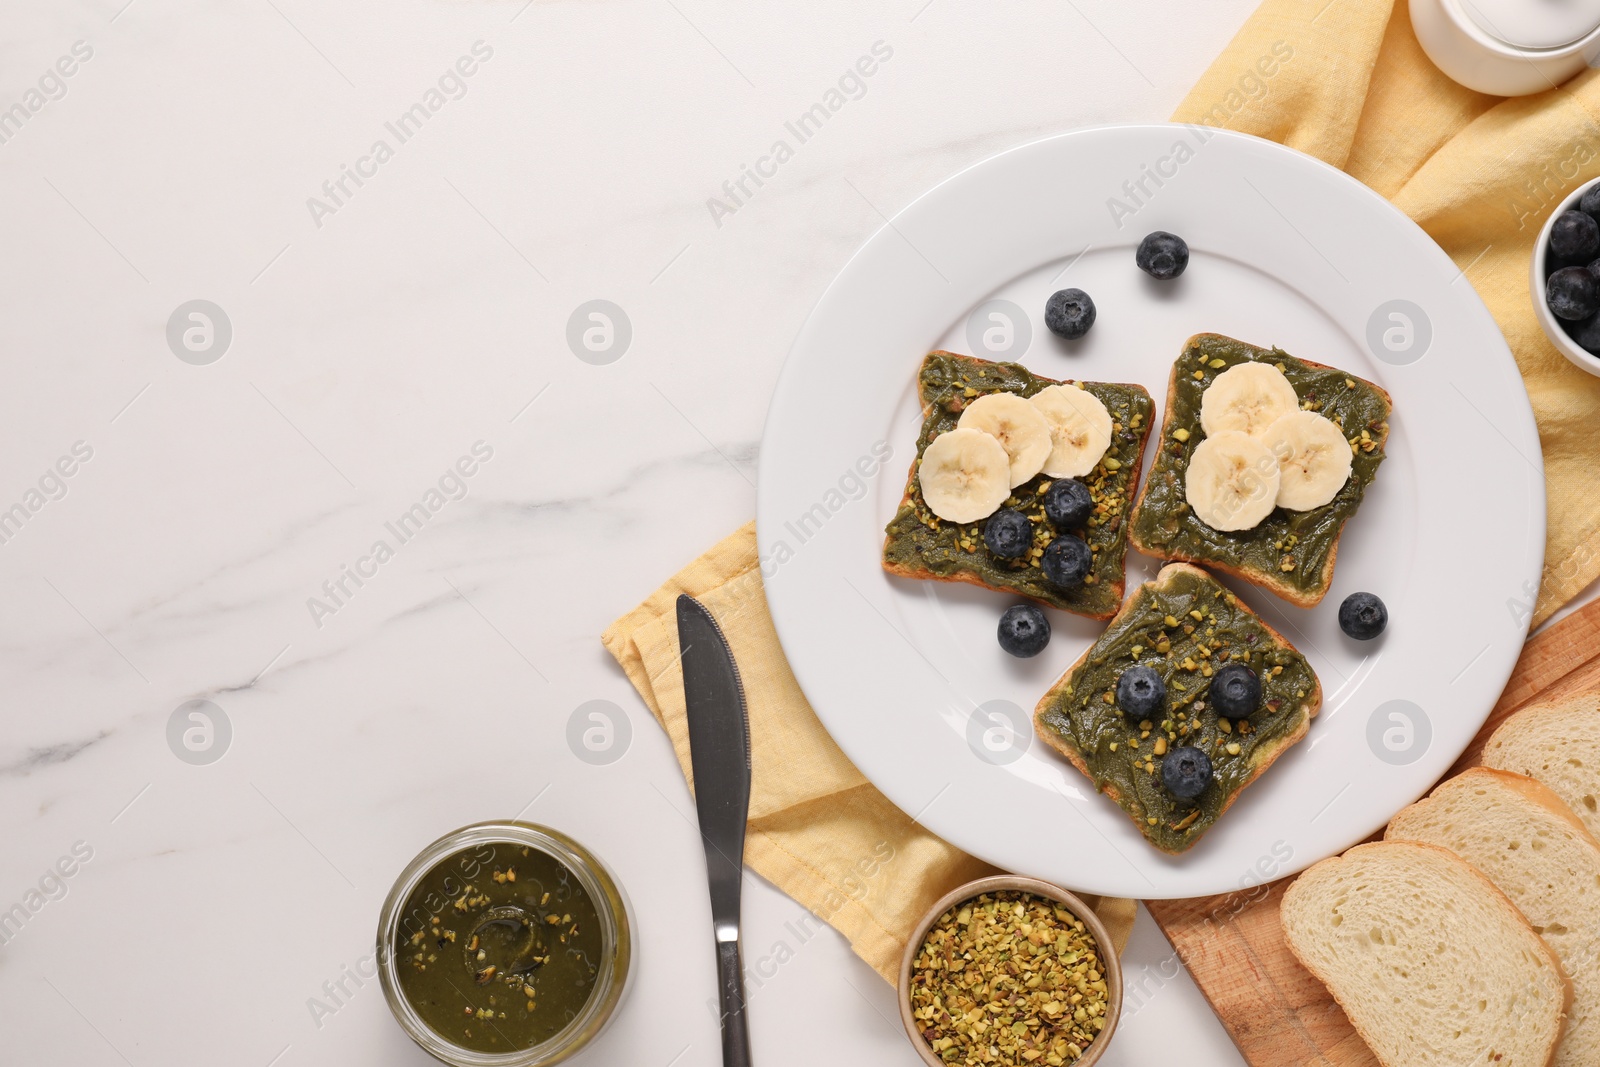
1285 251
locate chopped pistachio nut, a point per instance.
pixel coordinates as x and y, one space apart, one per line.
1008 978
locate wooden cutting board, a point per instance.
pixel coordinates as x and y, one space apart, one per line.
1275 1011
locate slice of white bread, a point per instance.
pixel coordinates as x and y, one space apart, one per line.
1433 965
1559 744
1536 852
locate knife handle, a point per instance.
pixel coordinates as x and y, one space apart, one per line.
730 984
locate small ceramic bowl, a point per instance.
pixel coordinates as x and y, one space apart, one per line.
1538 270
1111 966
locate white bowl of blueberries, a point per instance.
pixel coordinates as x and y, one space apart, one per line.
1565 278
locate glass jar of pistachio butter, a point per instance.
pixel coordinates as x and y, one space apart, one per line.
505 944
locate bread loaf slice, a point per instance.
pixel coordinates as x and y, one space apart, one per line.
1433 965
1536 852
1559 744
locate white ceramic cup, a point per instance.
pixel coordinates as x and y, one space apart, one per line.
1508 47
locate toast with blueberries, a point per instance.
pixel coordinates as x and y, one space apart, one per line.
1262 460
1021 483
1184 701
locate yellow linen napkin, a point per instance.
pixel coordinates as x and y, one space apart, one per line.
818 830
1346 81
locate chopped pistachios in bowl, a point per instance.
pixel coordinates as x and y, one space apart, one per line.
1009 978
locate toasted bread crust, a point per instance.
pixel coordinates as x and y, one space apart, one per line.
1268 580
1265 757
902 570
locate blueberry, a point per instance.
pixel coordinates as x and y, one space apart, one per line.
1067 504
1574 235
1186 772
1162 255
1069 313
1572 293
1363 616
1586 333
1024 631
1590 204
1008 533
1236 691
1066 561
1140 691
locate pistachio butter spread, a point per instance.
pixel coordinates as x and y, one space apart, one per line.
1186 627
920 544
1290 552
501 949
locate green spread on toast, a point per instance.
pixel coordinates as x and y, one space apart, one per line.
920 540
1288 547
1159 628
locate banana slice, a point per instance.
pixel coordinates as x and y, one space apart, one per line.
1080 429
1247 397
965 475
1017 425
1313 459
1232 481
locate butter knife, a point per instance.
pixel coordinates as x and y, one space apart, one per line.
719 754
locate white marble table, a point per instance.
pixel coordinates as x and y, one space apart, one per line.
388 310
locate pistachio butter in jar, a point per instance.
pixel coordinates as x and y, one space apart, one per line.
505 944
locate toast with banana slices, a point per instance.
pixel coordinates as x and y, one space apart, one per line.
1021 483
1262 460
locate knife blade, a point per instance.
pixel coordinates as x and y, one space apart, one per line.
719 755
